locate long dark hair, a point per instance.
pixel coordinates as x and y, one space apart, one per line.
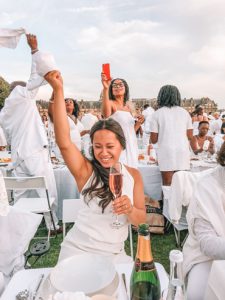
76 109
221 155
169 96
198 111
127 93
222 127
100 182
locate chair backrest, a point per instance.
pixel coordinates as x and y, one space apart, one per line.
21 183
70 211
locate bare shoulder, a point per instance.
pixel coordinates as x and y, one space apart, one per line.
134 173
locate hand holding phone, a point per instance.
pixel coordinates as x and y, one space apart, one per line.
106 70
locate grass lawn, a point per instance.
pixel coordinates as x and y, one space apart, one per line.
161 246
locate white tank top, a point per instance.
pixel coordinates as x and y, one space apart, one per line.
92 230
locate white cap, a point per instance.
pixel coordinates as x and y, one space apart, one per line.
176 256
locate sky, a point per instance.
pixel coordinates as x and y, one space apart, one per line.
149 43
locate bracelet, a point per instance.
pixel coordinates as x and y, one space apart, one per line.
34 51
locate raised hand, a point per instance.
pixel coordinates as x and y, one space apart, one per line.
32 41
54 78
105 81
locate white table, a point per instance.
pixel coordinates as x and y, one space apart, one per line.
216 282
25 278
152 180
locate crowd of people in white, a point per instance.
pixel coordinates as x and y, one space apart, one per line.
89 144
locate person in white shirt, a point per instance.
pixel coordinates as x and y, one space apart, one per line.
171 127
147 113
72 113
25 131
206 225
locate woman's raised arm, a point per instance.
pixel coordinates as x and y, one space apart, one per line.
106 103
78 165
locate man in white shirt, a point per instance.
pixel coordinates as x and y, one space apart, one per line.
25 131
147 113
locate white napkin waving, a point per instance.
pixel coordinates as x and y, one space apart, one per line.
9 38
69 296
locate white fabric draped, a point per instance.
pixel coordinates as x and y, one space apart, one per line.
208 204
16 230
9 38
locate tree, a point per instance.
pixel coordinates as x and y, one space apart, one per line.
4 91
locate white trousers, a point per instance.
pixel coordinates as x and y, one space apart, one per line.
197 281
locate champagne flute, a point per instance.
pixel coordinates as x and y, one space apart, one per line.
115 185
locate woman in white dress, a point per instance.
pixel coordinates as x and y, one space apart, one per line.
115 104
92 231
206 225
72 110
171 127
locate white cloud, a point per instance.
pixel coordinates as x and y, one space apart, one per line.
85 9
211 55
7 19
149 43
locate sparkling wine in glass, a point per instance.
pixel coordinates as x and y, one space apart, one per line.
115 185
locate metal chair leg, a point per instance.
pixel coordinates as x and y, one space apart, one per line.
177 237
131 242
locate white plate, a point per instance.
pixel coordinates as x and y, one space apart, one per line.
88 273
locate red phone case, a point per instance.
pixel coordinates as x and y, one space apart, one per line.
106 70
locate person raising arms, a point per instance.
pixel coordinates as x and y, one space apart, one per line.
92 231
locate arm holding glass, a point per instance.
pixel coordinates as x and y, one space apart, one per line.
135 212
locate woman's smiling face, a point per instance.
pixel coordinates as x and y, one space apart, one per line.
106 147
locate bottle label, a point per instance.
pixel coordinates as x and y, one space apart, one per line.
144 266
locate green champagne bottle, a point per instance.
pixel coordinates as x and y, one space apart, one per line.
144 283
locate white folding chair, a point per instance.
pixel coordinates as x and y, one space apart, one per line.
70 212
35 205
178 226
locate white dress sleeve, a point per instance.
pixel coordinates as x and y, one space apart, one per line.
211 244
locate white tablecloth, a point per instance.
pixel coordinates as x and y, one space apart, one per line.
152 180
216 282
26 278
